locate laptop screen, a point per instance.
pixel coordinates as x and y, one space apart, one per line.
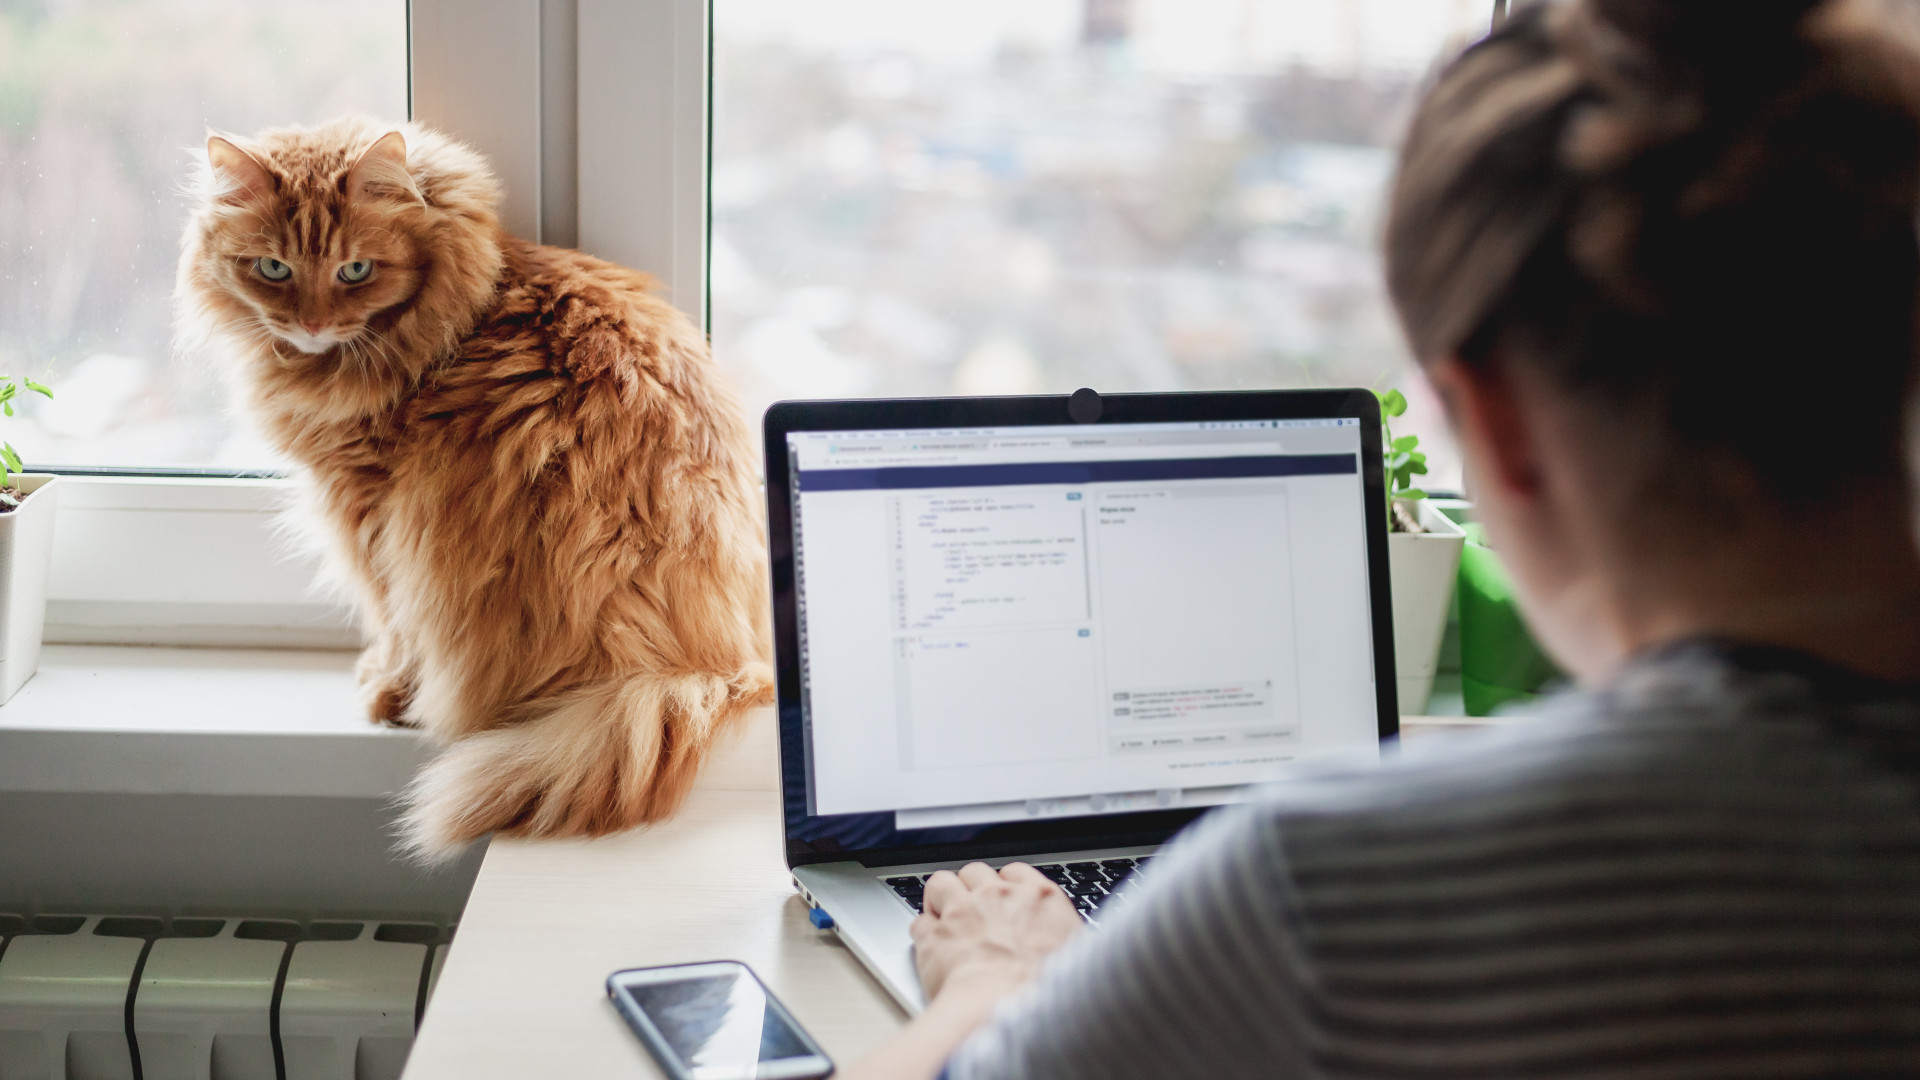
1026 623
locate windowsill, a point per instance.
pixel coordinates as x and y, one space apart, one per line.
171 721
134 720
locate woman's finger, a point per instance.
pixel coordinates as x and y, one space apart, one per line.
940 890
978 875
1020 873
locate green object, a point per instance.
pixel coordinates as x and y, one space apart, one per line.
10 462
1499 660
1400 457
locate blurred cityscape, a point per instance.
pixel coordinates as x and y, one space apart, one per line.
103 105
1006 196
1017 197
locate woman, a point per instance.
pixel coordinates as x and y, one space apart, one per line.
1658 258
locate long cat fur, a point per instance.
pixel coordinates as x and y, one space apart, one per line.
527 467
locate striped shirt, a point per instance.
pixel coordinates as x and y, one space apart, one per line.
1711 868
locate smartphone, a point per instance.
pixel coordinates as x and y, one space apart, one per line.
715 1021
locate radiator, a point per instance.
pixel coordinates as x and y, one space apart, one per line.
129 998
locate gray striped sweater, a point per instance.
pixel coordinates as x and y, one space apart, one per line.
1709 869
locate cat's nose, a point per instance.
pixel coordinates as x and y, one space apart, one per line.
312 326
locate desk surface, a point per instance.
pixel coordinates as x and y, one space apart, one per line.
522 990
522 994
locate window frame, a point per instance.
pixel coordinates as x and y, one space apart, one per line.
598 116
573 101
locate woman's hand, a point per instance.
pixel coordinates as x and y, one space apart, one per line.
988 928
982 937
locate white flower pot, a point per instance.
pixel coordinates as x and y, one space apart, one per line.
1423 567
26 558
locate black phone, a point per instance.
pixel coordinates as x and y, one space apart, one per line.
715 1021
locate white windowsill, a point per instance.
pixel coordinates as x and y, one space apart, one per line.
133 720
186 561
170 721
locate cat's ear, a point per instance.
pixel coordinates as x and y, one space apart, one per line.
381 172
239 176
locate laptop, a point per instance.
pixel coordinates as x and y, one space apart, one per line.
1059 629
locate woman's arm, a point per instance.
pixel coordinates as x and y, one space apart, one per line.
982 938
1199 971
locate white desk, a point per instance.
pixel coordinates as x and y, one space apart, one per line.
522 991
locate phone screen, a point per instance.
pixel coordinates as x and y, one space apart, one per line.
715 1022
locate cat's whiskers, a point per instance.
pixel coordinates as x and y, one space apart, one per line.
361 355
363 349
386 350
371 355
265 337
257 333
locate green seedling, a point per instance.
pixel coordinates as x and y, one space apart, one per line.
1402 460
10 463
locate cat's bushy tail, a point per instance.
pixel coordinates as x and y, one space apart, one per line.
598 760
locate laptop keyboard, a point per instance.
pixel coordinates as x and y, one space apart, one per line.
1088 884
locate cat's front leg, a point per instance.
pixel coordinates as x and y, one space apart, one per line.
387 682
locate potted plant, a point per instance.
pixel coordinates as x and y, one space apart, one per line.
1423 557
27 502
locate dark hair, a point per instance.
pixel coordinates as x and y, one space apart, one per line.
1699 212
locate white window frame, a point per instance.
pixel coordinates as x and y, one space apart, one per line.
595 113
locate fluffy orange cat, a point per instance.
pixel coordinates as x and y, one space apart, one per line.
526 464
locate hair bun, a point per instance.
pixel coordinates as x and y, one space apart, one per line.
1663 70
1705 35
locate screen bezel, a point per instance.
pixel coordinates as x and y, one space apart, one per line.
816 1065
1060 834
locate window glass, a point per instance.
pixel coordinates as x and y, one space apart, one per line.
1021 196
102 105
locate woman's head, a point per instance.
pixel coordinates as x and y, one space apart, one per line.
1686 230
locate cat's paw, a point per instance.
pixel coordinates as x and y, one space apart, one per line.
387 702
389 708
386 691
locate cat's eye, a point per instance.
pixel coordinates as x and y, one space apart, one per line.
357 271
272 269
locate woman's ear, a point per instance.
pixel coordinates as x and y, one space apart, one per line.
1497 434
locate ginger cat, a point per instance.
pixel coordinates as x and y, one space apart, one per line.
528 470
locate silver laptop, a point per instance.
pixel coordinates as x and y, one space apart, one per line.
1058 629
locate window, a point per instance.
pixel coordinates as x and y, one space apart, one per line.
1029 196
101 104
1007 196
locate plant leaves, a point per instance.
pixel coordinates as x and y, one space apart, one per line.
38 388
1410 494
12 457
1394 403
1397 461
1405 443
